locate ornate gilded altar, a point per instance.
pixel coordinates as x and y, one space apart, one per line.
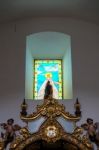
50 129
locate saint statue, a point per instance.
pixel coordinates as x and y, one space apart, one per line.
48 90
48 87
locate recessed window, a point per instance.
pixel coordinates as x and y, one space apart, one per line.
48 55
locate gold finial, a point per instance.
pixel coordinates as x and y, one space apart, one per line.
77 108
23 108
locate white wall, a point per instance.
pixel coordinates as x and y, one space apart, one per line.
28 74
85 53
67 72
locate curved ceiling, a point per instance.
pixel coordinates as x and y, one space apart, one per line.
13 10
48 45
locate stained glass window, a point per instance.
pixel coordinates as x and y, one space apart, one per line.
45 70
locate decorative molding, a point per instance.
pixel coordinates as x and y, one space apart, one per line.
50 130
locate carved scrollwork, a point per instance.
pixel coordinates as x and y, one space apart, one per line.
78 142
50 108
21 143
1 144
77 134
50 130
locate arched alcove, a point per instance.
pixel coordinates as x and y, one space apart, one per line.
48 45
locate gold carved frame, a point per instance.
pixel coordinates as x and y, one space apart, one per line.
50 130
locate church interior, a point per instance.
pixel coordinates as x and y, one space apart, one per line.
49 30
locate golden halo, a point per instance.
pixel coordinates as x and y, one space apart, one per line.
48 75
